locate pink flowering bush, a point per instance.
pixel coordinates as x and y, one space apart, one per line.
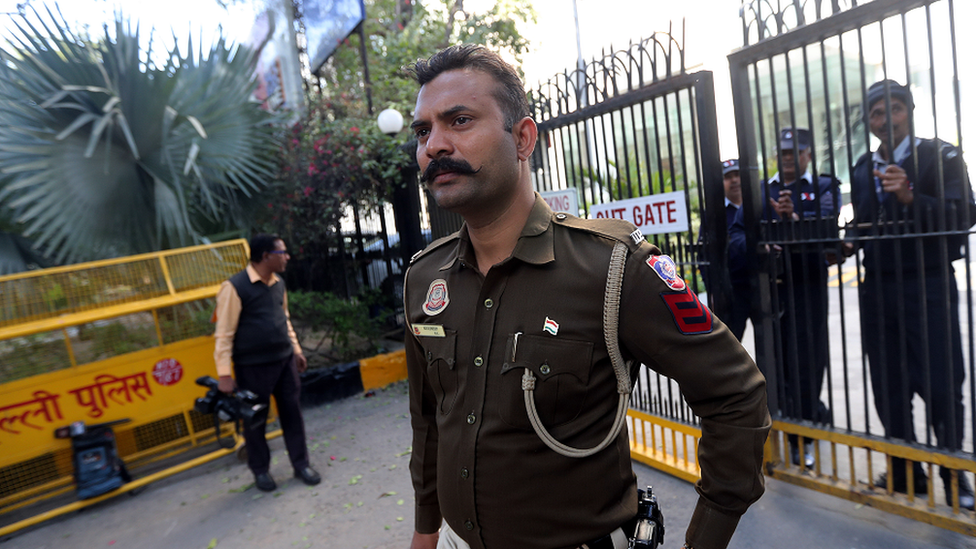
325 169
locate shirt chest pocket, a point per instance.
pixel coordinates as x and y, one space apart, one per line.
442 369
562 374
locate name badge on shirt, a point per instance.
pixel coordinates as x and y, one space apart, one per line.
428 330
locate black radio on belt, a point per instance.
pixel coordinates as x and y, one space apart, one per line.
649 532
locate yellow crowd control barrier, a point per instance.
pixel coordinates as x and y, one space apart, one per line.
101 341
846 466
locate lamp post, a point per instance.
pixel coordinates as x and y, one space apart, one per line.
406 195
390 122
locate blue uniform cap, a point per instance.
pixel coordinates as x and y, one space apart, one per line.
790 139
877 93
731 165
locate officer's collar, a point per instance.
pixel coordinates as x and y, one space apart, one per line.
902 151
254 277
807 176
535 243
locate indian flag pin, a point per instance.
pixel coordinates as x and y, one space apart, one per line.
550 326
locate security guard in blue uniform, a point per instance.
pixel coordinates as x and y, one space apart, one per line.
739 307
737 262
795 197
912 338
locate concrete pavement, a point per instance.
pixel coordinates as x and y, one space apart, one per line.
361 445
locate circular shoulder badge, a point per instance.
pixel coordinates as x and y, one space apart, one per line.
437 298
665 268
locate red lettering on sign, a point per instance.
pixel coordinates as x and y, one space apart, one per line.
557 203
649 214
117 389
659 205
618 213
671 212
44 404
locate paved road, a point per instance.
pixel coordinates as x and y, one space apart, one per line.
365 502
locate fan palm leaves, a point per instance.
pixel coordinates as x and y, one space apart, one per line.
105 152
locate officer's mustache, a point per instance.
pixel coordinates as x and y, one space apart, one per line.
447 164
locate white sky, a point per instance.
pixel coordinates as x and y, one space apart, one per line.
713 30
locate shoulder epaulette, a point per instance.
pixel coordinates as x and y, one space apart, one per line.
434 245
948 150
616 229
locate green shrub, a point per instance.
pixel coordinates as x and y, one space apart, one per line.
346 325
115 338
32 355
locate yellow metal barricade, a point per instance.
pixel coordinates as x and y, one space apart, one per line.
846 466
101 341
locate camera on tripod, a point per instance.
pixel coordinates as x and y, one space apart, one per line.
239 406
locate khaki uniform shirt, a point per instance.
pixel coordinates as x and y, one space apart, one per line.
476 459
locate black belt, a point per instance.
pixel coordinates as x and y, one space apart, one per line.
606 542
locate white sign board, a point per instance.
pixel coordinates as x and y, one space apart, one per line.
654 214
562 201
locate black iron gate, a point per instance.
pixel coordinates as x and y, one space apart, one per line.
890 314
626 130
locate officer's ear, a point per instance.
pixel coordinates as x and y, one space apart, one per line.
525 133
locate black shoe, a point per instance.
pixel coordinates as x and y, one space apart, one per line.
264 482
966 498
899 484
808 460
308 475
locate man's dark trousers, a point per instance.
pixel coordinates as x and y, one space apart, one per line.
901 353
741 310
804 339
279 378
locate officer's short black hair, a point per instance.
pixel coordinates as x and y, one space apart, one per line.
510 92
261 244
877 93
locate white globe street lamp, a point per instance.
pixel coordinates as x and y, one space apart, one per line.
390 122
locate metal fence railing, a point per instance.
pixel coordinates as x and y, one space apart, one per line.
883 392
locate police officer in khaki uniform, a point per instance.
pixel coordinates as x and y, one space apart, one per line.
507 345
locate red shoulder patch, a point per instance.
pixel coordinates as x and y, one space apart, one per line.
690 315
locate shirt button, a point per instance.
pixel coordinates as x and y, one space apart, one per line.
468 525
478 361
464 472
544 369
560 216
471 419
489 303
430 355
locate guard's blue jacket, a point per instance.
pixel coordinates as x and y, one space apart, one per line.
879 213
